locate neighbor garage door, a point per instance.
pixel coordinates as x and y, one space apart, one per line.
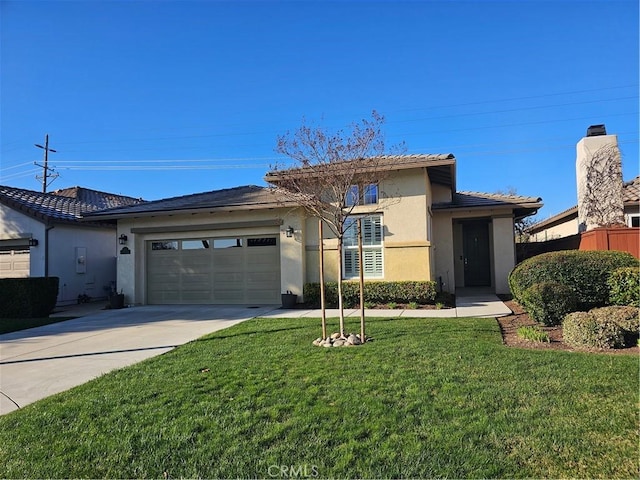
14 263
233 270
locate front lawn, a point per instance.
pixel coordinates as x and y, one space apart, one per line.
428 398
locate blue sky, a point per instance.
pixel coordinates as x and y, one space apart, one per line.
165 98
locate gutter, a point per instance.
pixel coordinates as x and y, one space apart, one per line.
46 249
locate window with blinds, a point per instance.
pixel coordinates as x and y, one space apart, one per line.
372 246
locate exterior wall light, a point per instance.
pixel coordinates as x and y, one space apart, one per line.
33 242
122 239
289 231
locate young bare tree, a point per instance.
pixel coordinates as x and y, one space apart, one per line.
331 173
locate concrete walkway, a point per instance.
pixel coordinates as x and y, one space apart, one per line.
469 303
42 361
39 362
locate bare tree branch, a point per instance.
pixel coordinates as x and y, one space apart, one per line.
326 167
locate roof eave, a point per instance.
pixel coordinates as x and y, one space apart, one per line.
274 176
189 210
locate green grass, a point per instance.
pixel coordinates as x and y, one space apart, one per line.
533 334
8 325
427 398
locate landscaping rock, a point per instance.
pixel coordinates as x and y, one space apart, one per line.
336 340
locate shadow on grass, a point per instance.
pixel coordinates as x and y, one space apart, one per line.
90 354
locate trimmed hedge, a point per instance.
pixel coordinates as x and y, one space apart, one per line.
624 286
33 297
374 292
582 329
585 272
549 302
606 327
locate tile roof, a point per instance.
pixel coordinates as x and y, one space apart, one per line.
245 197
478 199
631 191
100 200
68 207
630 196
522 206
381 162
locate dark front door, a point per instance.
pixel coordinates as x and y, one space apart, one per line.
477 261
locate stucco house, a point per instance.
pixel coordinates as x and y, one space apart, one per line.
565 223
248 245
41 234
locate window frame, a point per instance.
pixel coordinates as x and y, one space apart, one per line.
350 248
359 194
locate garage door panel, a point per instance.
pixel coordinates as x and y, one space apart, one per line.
14 264
230 272
164 296
194 296
229 296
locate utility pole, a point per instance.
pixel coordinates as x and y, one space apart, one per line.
46 171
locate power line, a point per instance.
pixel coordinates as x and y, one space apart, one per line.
213 135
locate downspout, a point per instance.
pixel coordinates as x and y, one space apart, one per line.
46 249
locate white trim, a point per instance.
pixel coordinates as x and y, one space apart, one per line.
365 248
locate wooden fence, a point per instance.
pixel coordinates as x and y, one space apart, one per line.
531 249
624 239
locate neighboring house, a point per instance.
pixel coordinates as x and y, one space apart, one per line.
42 234
246 245
565 223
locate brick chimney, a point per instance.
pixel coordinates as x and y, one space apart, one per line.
599 177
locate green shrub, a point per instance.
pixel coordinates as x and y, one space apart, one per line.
626 317
33 297
548 302
624 286
533 334
374 293
584 329
585 272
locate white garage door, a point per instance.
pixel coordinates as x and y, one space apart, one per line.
14 263
234 270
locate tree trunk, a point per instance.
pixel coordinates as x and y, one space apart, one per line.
361 273
340 302
322 301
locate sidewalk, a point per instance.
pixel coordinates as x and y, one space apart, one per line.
468 304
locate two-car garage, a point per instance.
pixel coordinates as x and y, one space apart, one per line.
221 270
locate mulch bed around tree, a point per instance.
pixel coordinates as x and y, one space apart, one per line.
509 326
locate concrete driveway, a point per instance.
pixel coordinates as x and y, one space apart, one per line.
39 362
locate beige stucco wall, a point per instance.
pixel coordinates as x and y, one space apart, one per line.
443 250
404 205
564 229
448 247
504 256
